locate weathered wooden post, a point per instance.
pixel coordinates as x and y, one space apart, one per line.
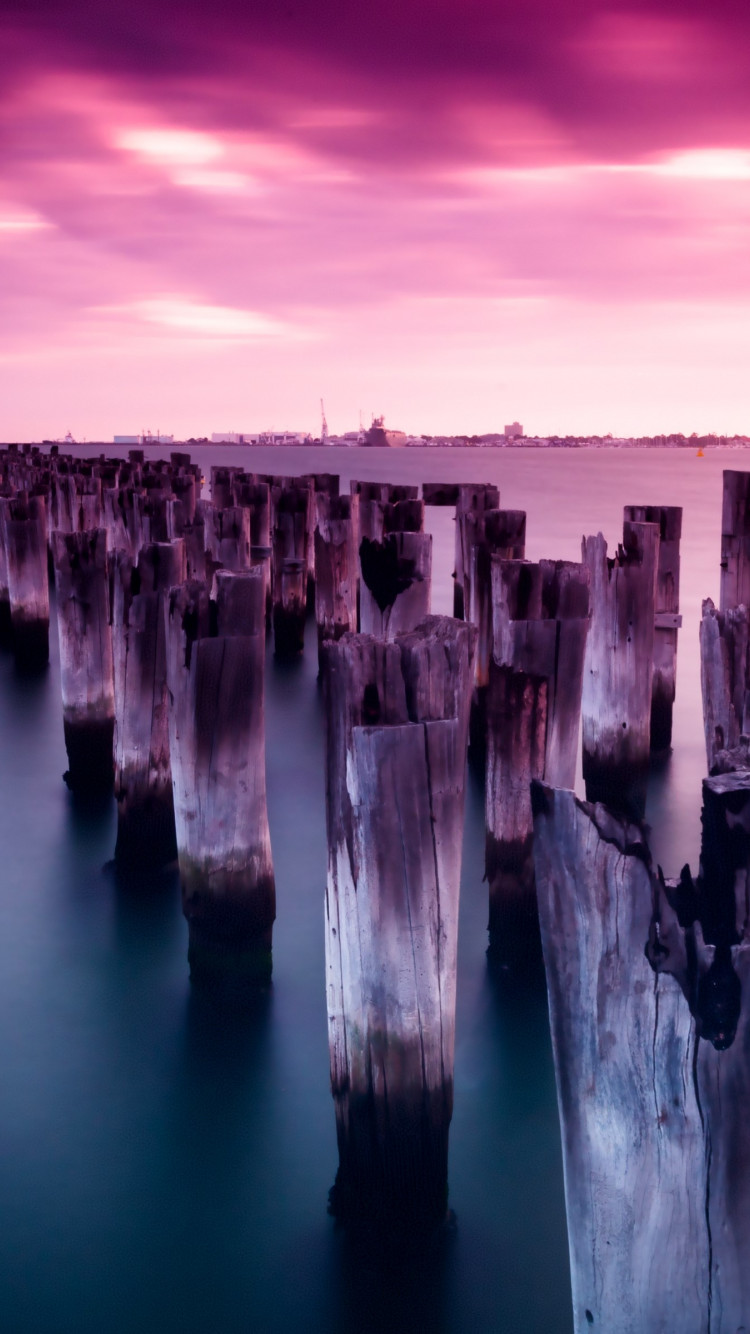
472 498
397 725
86 670
143 781
734 587
336 566
403 516
487 534
217 747
540 620
227 535
124 519
395 583
667 616
631 1113
25 537
616 706
289 569
725 674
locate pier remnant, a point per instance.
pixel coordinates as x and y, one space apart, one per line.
86 665
397 728
215 675
336 565
667 616
143 780
540 626
618 672
24 524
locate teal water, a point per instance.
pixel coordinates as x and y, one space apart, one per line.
164 1164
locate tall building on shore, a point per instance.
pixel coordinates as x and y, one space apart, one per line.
514 430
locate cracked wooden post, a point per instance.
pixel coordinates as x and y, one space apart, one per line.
255 496
635 1148
725 673
289 569
227 535
397 723
143 780
474 497
123 519
25 536
336 566
489 534
395 581
734 585
86 668
667 616
541 620
618 673
217 747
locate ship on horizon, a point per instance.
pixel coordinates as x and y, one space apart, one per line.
378 435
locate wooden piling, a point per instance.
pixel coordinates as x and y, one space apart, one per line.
734 586
397 722
667 616
227 535
25 536
86 667
336 566
395 583
618 673
215 670
472 498
487 534
635 1149
289 569
725 675
143 782
535 682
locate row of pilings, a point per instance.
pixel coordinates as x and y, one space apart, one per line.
165 600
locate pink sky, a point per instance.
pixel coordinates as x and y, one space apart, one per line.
453 214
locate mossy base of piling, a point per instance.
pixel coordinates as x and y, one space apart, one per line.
393 1166
230 917
30 644
288 631
619 785
515 941
146 839
89 745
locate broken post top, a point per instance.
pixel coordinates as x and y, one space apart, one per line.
79 551
668 517
477 496
505 532
541 590
241 601
160 566
639 546
403 516
421 676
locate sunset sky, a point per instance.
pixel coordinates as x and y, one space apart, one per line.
455 214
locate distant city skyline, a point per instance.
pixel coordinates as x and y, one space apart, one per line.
449 216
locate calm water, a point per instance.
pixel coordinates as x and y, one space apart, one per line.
165 1165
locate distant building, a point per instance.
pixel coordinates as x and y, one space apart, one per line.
515 429
259 438
127 440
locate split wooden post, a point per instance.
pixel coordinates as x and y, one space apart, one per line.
397 724
86 668
336 566
631 1112
667 616
227 535
143 780
395 582
217 747
540 620
473 498
618 672
734 586
24 525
